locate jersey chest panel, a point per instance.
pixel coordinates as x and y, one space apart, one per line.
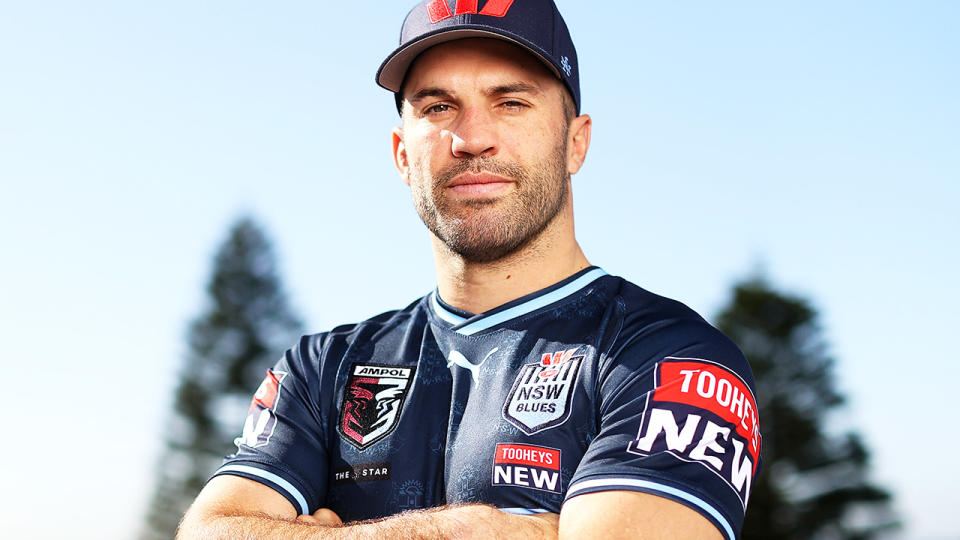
523 422
386 443
502 418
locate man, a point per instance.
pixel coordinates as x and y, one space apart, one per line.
531 394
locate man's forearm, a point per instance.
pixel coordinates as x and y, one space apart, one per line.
470 521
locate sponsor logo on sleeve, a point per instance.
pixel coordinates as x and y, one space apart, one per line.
261 419
704 413
372 402
541 394
362 472
528 466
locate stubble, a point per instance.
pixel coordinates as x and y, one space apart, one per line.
486 230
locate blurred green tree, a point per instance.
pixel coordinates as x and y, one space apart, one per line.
814 482
246 325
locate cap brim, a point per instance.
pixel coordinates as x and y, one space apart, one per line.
394 68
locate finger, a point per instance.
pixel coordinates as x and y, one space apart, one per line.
328 517
308 520
323 517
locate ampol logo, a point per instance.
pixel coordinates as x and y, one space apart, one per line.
372 402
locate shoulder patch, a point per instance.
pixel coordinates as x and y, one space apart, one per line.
261 419
704 413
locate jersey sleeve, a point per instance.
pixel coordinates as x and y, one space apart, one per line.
282 445
679 422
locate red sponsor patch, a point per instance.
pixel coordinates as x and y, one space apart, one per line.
704 413
527 466
525 454
714 388
261 421
266 395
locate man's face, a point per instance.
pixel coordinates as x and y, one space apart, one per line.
483 146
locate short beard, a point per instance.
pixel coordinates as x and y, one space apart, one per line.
487 233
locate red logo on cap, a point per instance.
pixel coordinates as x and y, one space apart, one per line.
439 10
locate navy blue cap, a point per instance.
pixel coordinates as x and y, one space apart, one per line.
535 25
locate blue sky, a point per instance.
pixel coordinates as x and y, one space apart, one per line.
816 141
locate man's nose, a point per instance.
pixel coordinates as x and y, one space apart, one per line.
473 134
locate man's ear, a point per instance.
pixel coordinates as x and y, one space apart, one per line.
400 155
578 142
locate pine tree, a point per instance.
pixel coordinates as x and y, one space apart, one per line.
247 324
814 482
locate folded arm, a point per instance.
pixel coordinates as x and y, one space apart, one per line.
615 515
234 507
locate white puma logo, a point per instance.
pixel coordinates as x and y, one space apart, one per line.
456 358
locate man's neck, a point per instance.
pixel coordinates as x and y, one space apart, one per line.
479 287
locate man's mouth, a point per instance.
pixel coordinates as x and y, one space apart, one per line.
482 183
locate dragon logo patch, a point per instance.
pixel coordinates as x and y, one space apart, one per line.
372 402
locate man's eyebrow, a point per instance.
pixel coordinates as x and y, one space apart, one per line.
512 88
500 89
430 92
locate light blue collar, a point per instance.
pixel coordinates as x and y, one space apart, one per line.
479 323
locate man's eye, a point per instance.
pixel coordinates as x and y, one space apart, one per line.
437 109
513 105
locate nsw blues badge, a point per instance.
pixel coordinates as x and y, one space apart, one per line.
372 401
541 394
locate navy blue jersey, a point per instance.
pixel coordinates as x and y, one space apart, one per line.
592 384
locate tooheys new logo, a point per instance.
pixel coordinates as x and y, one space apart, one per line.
260 417
372 402
440 10
703 412
525 465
